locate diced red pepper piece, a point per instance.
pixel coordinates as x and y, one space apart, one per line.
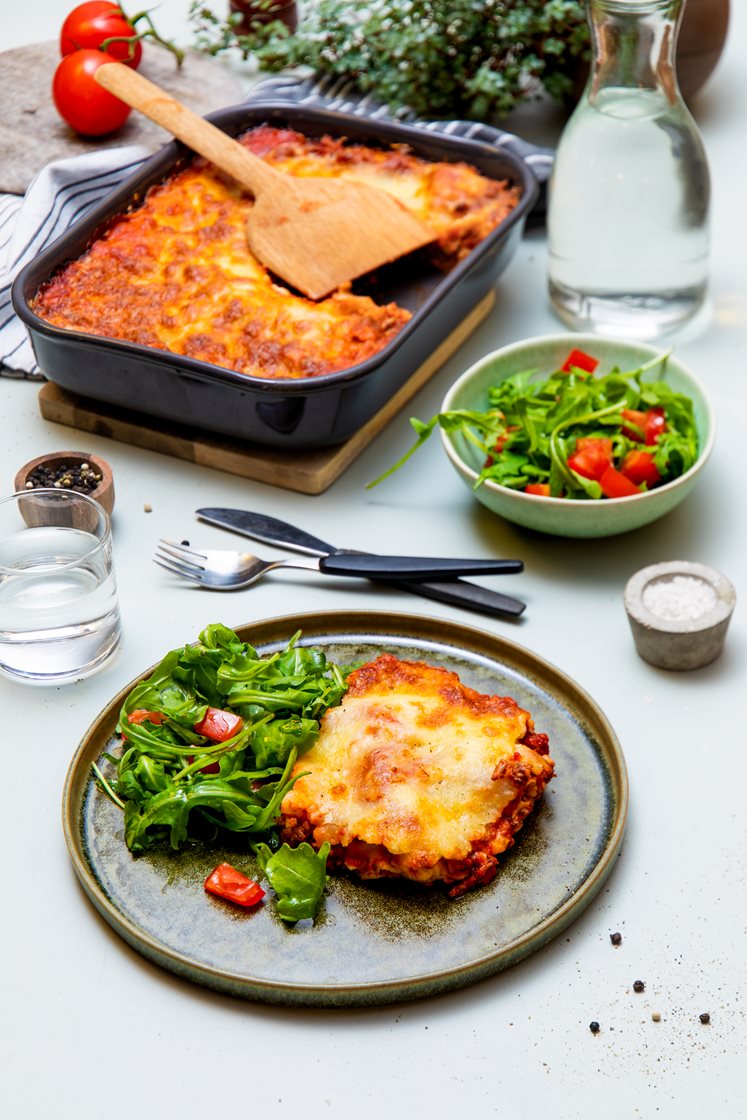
639 467
218 725
614 484
542 489
226 882
141 715
592 457
577 359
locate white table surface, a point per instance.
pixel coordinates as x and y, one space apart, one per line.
89 1028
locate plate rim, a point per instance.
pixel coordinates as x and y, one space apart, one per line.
368 993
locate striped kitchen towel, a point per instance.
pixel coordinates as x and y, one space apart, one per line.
65 190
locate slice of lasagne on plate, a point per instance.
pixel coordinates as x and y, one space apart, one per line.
416 775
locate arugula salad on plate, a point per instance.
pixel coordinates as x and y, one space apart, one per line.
209 741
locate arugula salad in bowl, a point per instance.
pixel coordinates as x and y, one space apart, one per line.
576 435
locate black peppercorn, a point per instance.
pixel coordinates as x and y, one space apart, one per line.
638 986
616 938
705 1018
79 476
594 1026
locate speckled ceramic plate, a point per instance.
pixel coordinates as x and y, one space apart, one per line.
372 943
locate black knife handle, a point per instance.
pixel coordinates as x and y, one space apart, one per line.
412 567
469 596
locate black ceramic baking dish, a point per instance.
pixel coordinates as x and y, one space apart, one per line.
290 413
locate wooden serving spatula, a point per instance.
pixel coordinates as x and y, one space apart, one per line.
315 233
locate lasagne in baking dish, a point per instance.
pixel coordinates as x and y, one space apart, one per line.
416 775
176 273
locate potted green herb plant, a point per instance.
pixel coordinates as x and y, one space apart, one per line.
466 58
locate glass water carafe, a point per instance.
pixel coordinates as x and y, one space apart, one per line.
629 195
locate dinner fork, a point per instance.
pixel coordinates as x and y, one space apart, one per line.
228 571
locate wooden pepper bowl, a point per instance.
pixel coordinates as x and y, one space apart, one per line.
104 492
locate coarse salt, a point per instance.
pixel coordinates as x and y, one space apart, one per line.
679 613
679 598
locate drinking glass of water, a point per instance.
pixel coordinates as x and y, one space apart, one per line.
59 618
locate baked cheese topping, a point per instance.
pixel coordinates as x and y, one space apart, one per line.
416 774
176 273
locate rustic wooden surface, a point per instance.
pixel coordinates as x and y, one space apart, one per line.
33 135
306 472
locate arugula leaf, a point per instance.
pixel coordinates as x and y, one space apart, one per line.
298 876
273 742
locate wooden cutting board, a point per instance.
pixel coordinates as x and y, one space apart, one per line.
307 472
33 135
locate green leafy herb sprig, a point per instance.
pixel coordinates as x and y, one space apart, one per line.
531 426
466 58
160 780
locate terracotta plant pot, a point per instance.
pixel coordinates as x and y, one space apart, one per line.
703 31
252 11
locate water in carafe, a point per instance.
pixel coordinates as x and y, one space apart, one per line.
629 196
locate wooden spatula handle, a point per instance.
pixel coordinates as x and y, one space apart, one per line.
203 137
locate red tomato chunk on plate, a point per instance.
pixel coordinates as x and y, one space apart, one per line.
228 883
219 725
142 715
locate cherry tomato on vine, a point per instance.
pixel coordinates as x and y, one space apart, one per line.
81 101
90 24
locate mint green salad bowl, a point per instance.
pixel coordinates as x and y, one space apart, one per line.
565 517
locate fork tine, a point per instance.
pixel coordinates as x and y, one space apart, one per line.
177 569
181 552
184 564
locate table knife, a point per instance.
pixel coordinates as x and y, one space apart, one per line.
270 530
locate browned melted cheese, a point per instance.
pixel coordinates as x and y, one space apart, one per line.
414 774
176 273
